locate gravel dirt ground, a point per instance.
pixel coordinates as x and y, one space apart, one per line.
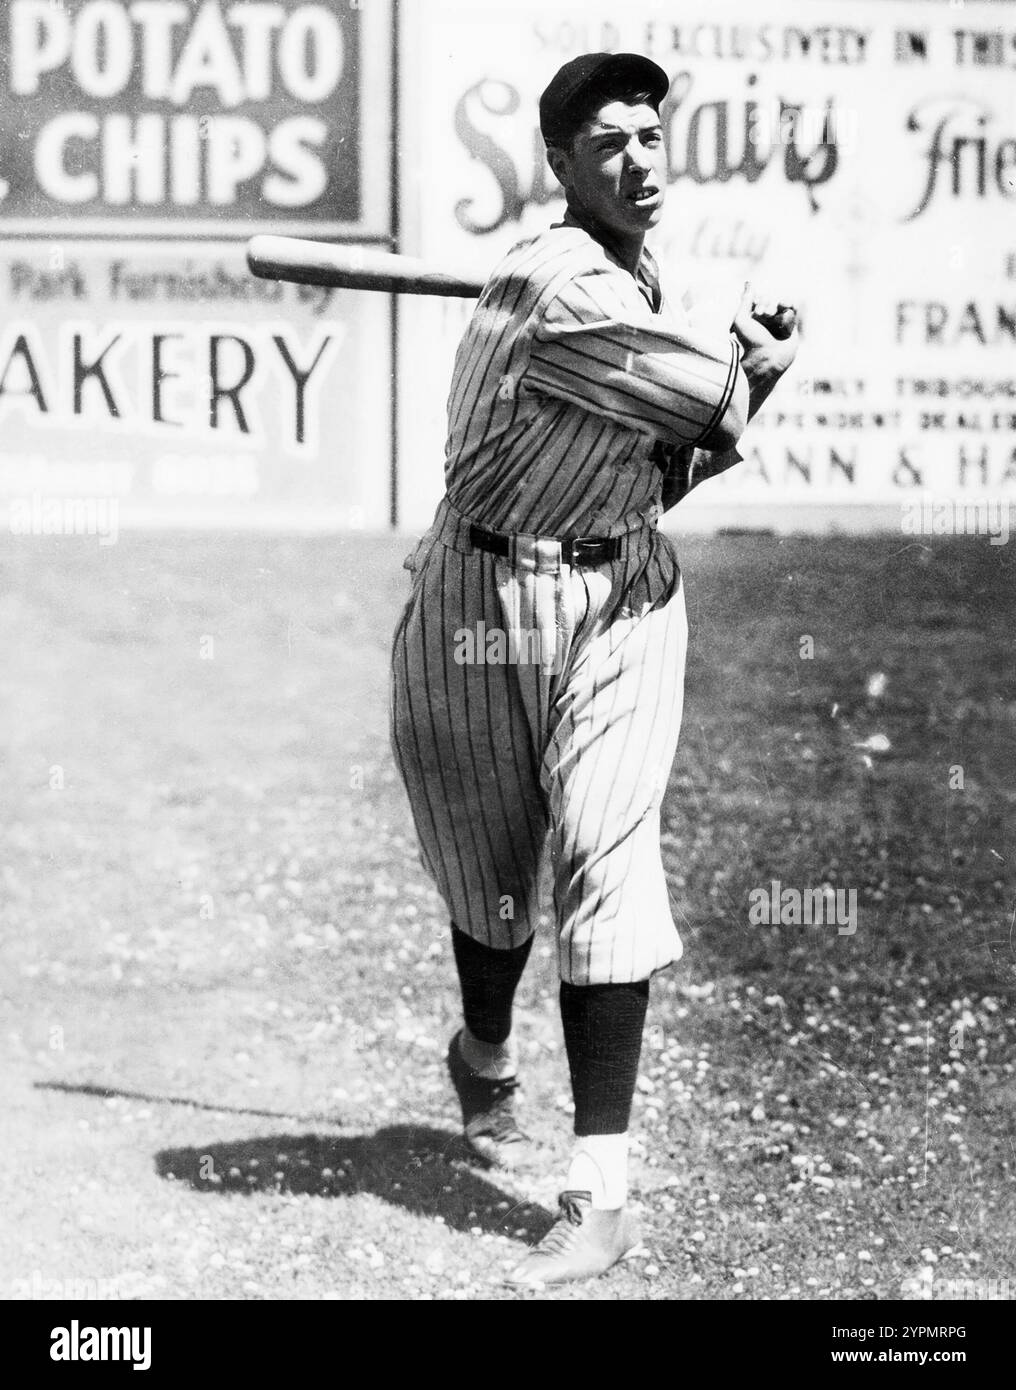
227 987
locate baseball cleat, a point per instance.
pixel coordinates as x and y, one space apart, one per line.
582 1243
488 1112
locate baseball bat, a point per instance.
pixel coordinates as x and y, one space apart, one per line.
353 268
363 268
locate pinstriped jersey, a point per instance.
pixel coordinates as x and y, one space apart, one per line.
574 386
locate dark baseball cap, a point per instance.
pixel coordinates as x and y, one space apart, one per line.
595 70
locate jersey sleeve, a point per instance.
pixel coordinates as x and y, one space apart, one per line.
594 348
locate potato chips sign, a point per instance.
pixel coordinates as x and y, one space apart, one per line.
204 109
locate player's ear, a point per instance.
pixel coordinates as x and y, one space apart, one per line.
559 160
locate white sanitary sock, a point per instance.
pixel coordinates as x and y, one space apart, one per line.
495 1061
599 1164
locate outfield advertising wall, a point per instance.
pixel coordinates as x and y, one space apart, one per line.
857 159
141 143
855 156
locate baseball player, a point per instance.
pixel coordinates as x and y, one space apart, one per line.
538 667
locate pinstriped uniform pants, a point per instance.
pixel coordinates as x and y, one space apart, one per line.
535 712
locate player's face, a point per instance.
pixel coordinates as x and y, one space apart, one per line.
615 172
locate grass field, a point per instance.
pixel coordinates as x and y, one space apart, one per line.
227 987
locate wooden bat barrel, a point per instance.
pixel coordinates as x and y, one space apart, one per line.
353 268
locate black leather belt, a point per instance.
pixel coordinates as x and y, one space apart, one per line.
583 550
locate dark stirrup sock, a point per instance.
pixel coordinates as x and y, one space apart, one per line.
488 979
603 1038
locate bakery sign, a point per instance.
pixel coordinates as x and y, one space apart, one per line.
192 116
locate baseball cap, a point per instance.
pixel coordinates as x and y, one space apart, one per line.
590 70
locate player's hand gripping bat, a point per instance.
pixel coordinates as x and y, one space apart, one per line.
779 319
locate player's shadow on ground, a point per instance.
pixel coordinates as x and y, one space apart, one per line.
420 1169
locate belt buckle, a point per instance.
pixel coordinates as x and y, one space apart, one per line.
586 547
537 554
